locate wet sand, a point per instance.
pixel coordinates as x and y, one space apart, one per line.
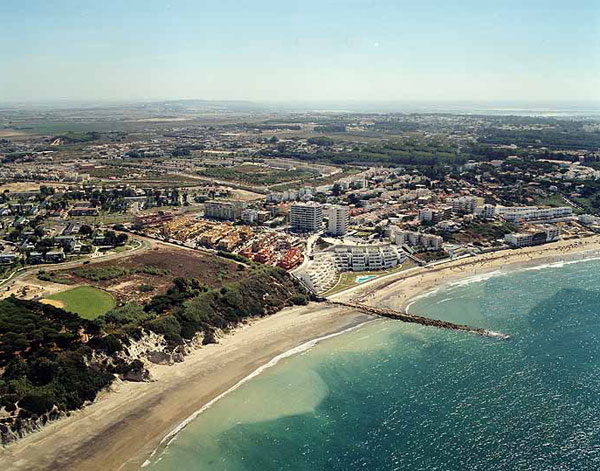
122 428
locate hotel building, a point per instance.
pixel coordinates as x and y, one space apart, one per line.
338 220
306 217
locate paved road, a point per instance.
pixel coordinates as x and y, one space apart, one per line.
310 242
23 273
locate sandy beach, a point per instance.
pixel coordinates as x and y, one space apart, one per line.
397 290
125 424
123 427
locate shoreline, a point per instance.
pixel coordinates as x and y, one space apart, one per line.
398 291
515 267
124 426
172 435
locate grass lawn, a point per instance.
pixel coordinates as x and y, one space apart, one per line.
554 200
348 279
87 301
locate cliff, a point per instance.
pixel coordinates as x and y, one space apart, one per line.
53 362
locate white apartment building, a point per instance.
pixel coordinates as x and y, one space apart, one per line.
249 216
486 211
306 217
367 258
416 239
223 210
533 236
435 214
533 213
466 204
338 220
588 219
321 275
290 195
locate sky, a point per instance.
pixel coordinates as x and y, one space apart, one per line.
285 50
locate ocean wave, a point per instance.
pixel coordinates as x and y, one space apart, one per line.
418 297
172 435
558 264
444 300
476 278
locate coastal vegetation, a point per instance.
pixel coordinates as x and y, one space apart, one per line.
114 272
45 365
128 279
479 231
53 361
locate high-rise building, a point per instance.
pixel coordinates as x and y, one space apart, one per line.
306 217
338 220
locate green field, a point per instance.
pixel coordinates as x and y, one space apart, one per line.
256 175
348 279
87 301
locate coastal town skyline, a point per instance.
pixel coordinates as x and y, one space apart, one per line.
270 236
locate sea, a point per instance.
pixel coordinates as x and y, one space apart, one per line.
394 396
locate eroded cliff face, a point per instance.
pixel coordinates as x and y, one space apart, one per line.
13 427
16 422
43 383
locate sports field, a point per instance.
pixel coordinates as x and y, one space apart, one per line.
87 301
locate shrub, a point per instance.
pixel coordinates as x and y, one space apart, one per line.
167 326
37 403
130 313
299 299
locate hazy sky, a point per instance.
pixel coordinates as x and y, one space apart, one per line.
305 50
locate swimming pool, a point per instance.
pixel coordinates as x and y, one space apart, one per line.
363 278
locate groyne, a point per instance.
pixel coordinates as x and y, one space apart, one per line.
406 317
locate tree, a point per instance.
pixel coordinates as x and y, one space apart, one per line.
45 245
127 314
85 230
46 190
353 198
110 238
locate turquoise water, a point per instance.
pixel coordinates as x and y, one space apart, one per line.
394 396
363 278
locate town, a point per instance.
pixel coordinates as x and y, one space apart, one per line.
336 199
271 236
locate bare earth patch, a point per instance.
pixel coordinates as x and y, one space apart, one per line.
31 287
28 186
53 302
